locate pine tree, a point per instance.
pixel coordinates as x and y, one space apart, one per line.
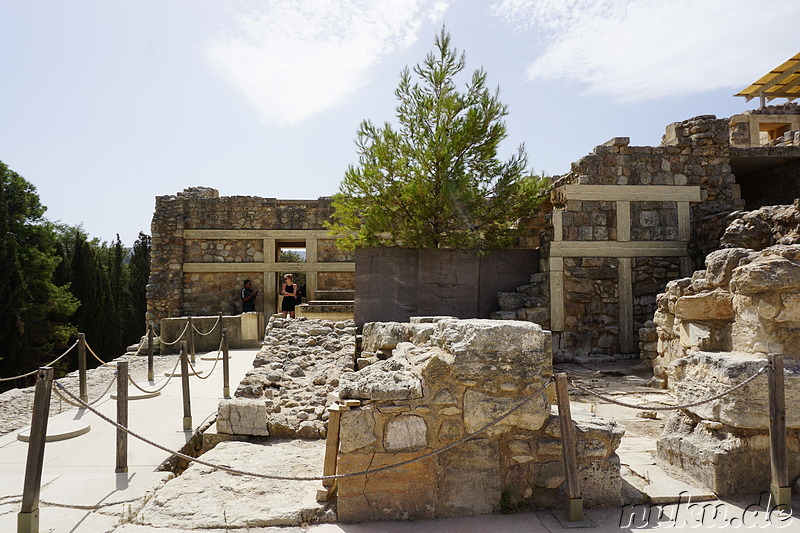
137 288
434 181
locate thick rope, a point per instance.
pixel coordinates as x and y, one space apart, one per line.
671 407
169 378
98 357
209 331
234 471
51 363
102 395
176 340
216 360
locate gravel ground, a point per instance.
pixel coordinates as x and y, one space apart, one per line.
16 405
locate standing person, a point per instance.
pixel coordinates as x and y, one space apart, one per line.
248 298
289 293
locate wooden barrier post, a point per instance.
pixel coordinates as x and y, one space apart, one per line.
779 488
187 402
151 376
331 451
28 517
122 417
575 504
191 339
226 371
83 393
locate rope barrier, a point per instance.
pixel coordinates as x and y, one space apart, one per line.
98 357
51 363
670 408
234 471
69 402
210 331
176 340
169 378
216 360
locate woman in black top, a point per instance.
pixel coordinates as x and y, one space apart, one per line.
289 293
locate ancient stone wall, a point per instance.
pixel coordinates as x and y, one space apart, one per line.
204 246
436 380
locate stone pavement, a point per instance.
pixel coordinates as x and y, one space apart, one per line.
79 484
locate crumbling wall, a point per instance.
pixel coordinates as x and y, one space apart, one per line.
204 246
714 330
431 382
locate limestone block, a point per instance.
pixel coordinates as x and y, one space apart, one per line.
356 429
767 274
481 408
243 416
403 493
391 379
720 265
405 433
420 333
723 459
491 348
384 335
705 374
790 311
714 305
468 480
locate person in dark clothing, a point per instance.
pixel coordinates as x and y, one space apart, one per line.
248 298
289 293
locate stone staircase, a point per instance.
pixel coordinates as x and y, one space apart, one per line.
329 304
530 302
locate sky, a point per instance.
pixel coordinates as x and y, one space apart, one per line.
105 105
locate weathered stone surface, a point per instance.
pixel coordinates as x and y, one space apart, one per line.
703 375
488 347
384 335
202 498
470 482
714 305
724 459
480 409
396 494
720 265
357 429
243 416
766 275
405 433
391 379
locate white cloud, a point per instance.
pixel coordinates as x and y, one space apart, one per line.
293 59
637 50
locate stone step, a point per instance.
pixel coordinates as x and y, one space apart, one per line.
327 307
330 302
658 486
334 294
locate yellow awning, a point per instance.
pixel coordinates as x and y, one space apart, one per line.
780 82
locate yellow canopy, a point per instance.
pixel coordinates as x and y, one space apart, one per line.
780 82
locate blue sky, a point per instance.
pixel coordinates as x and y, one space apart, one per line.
106 104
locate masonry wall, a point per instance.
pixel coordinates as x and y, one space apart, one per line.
204 246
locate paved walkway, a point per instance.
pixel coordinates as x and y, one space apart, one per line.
82 492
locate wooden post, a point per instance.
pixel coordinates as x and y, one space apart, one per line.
575 504
779 488
150 372
191 339
187 402
226 371
331 444
28 517
122 417
83 394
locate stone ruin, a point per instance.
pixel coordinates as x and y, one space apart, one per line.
433 381
714 330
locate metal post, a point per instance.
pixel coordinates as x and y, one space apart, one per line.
187 403
83 394
191 339
122 417
226 372
779 488
575 503
151 376
28 517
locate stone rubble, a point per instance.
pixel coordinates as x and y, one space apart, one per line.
285 395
